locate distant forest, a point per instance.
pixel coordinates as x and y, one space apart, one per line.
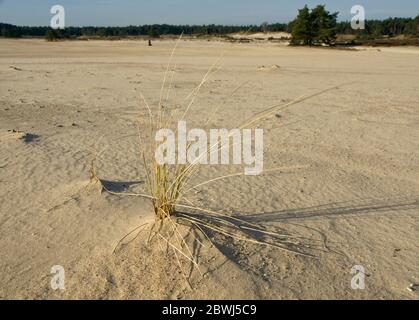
373 29
8 30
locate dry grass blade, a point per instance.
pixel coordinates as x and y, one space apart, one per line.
170 244
238 175
237 236
139 229
274 109
195 92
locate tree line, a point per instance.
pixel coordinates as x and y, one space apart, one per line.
319 26
310 27
388 27
12 31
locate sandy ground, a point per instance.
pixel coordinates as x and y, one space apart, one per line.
262 35
356 194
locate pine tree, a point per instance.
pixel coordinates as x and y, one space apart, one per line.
324 25
315 26
302 28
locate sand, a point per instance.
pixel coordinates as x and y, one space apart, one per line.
356 194
262 35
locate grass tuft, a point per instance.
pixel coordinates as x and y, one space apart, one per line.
166 186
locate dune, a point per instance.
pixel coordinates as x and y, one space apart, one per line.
350 196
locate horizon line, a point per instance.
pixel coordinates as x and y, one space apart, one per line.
193 24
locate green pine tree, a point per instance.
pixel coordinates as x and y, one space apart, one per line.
324 25
302 28
314 27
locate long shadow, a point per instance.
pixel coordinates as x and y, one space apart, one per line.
119 186
333 210
241 223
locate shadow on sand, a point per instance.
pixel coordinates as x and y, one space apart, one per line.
119 186
333 210
309 243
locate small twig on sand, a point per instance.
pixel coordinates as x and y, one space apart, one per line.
15 68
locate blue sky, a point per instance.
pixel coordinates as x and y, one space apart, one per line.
135 12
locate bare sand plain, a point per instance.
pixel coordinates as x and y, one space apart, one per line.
355 193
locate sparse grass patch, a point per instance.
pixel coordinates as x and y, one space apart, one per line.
168 186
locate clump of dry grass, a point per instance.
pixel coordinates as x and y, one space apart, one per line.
166 186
